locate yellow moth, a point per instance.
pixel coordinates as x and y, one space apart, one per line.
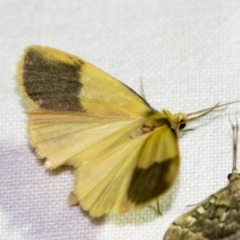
217 217
124 153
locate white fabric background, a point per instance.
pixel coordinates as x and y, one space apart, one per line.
188 54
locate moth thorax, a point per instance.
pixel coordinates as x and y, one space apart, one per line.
157 119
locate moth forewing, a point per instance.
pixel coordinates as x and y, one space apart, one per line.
215 218
81 116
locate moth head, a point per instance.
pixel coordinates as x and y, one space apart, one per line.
177 121
181 121
232 176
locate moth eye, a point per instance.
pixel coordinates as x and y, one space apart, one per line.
229 176
182 125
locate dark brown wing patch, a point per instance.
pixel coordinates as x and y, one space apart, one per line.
151 182
52 84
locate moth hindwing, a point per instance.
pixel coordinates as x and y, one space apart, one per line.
124 153
215 218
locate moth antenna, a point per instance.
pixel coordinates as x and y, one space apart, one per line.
205 112
235 129
208 110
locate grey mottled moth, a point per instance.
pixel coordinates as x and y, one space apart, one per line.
216 217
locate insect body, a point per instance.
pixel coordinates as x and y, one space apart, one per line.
215 218
124 153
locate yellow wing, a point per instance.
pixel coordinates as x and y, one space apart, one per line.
125 153
62 138
129 176
57 81
72 104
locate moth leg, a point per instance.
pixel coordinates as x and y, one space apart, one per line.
186 130
158 208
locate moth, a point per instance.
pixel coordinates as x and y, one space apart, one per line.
218 216
124 153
